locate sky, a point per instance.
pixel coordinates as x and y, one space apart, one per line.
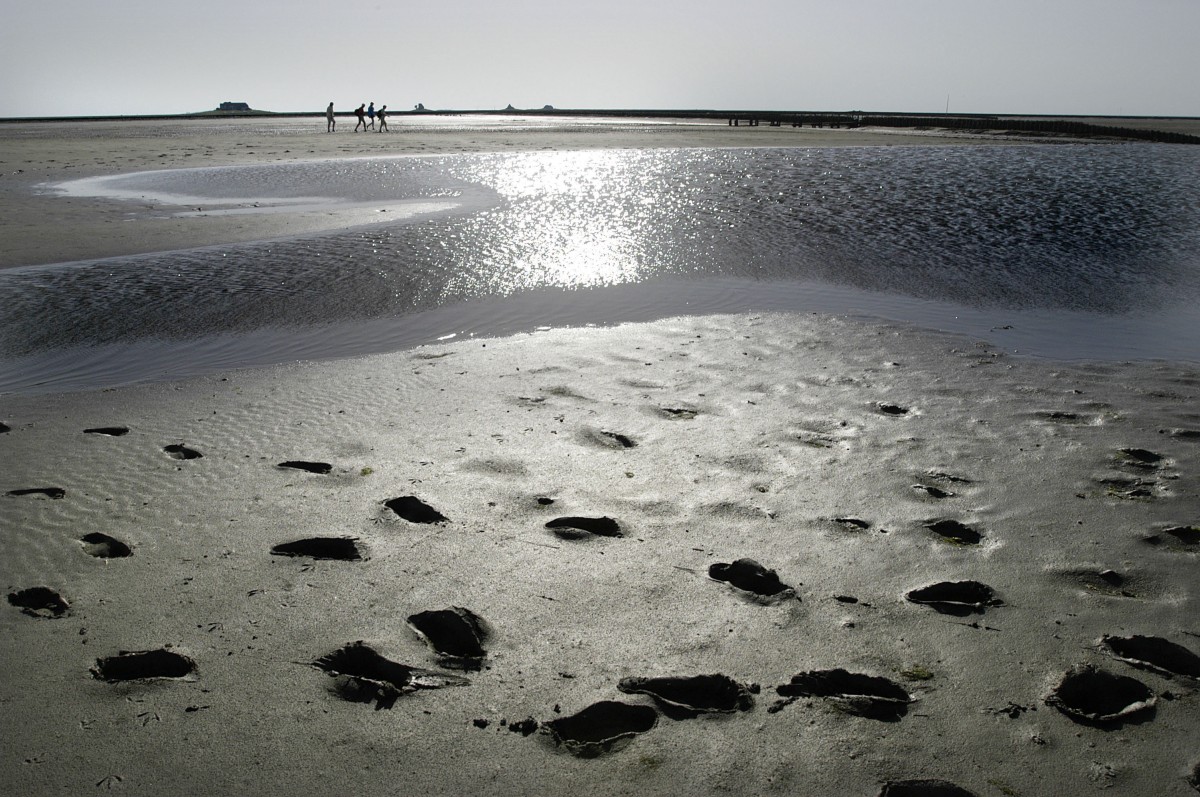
1103 57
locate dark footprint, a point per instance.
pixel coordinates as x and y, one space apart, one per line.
891 409
103 546
1107 582
948 478
176 451
1194 778
685 698
365 676
1141 458
578 528
108 431
621 440
959 598
344 549
5 428
749 576
39 602
1060 416
321 468
1187 535
852 523
933 492
678 413
1154 653
140 665
601 727
48 492
456 634
608 439
869 696
414 510
923 788
954 532
1181 537
1094 697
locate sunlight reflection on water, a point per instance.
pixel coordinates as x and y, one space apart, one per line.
936 236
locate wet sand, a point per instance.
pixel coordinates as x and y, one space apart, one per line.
901 556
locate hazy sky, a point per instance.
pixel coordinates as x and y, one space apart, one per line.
80 57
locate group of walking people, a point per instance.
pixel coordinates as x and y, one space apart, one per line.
367 116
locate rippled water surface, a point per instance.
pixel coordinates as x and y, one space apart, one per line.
1063 250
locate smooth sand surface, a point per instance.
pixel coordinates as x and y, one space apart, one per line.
859 461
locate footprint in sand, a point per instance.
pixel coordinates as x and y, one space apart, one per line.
1064 417
929 491
1176 538
870 696
41 602
677 413
689 697
45 492
455 634
601 727
108 431
752 579
1153 653
1091 696
1139 459
365 676
852 523
959 598
946 478
894 410
923 788
953 532
177 451
1109 582
343 549
414 510
143 665
320 468
581 528
103 546
607 439
1138 475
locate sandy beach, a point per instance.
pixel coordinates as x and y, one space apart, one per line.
903 561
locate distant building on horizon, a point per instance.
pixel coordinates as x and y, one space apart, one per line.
233 106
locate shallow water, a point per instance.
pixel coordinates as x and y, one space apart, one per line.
1066 251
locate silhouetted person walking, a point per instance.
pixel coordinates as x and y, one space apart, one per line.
382 114
362 122
330 122
371 115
